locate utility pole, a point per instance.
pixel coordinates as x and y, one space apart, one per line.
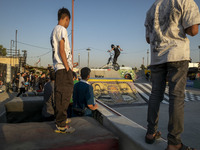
72 37
88 57
147 57
11 46
143 61
16 43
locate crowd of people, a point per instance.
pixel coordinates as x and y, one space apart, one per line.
25 81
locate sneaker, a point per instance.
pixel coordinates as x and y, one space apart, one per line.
68 120
65 129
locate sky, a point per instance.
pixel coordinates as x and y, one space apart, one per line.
97 25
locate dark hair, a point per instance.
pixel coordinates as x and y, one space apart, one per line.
85 72
74 74
62 13
52 75
112 45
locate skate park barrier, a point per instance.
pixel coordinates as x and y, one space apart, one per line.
115 91
124 72
131 135
37 134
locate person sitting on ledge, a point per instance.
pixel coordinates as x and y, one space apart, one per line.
83 96
49 102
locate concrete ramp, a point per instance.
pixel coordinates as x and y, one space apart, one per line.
89 135
115 91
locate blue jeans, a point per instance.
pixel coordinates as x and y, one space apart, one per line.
176 74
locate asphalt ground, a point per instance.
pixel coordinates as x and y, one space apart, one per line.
191 134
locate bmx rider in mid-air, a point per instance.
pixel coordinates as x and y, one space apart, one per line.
117 50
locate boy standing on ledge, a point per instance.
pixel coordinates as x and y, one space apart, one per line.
62 62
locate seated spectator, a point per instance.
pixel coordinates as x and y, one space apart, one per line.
49 103
42 80
83 96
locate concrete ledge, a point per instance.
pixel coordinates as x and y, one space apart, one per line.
131 135
24 109
89 135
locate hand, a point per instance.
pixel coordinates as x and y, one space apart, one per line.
67 69
96 106
108 51
75 64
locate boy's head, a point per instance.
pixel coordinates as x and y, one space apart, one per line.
85 73
64 17
112 45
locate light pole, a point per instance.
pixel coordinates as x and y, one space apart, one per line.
72 37
147 57
88 57
79 55
143 60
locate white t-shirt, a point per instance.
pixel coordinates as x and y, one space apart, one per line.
165 24
59 33
21 82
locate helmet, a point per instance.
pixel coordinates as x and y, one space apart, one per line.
112 45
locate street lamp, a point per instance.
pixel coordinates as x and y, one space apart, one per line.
88 57
79 55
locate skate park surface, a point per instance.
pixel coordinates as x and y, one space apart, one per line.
117 130
112 129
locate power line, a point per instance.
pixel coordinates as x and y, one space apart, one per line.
41 55
33 45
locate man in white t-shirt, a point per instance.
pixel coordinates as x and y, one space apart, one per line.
21 85
62 62
167 23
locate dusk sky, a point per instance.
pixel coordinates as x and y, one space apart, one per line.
97 25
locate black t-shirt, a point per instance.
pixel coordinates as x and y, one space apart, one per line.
116 50
42 81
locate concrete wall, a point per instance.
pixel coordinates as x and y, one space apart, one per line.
9 60
131 135
104 73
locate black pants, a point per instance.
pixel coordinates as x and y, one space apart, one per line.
22 90
63 91
177 76
115 57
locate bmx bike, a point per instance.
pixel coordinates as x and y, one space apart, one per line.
115 66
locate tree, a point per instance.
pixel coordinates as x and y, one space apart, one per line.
142 67
2 51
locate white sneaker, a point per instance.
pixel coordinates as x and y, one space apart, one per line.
65 129
68 120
